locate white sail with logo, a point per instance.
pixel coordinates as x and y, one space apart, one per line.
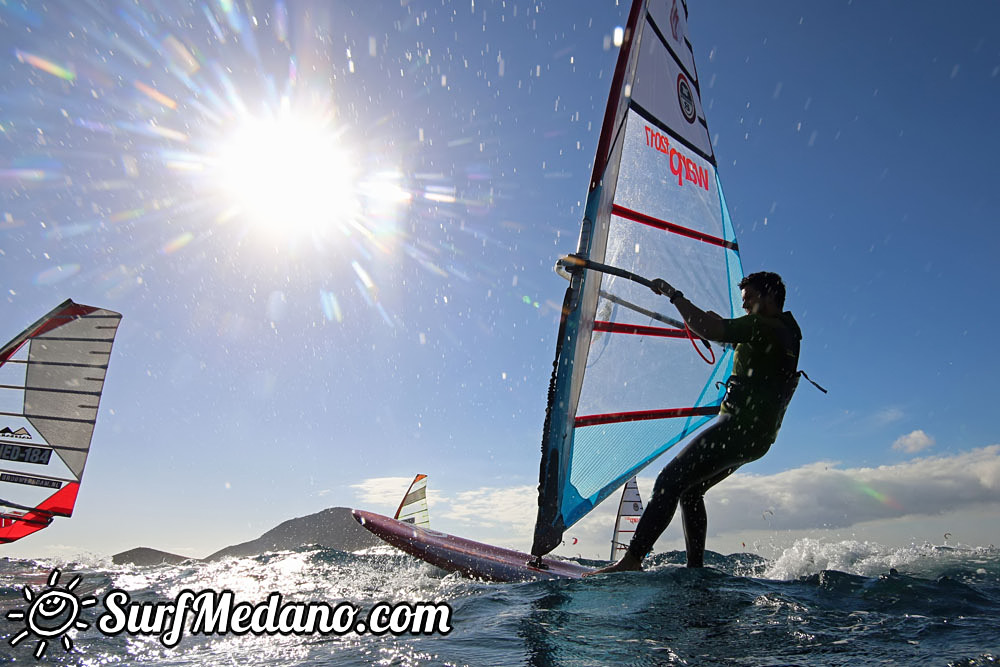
413 507
629 511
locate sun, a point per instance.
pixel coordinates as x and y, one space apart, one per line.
289 174
50 614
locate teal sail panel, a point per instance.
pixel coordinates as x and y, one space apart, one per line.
627 386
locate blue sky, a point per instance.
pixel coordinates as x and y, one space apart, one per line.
266 370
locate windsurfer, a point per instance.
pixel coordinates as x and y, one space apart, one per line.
758 391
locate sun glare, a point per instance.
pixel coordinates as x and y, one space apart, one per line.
289 175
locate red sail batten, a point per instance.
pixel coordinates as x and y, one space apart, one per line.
642 415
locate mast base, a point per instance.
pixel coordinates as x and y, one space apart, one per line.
537 563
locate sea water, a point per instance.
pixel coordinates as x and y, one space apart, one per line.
814 603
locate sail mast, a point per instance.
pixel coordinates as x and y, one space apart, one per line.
579 302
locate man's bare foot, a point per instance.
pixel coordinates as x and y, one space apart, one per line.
628 563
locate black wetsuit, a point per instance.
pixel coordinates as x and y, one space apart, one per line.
764 377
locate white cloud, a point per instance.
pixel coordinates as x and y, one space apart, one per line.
500 516
914 442
823 496
386 492
511 509
817 499
382 490
888 416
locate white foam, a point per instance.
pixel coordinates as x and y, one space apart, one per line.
810 556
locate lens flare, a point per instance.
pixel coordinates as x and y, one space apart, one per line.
289 174
45 65
879 496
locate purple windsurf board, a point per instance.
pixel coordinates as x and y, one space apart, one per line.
472 559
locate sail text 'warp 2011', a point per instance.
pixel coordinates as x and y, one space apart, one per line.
626 384
684 168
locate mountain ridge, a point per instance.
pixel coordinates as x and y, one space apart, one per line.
333 528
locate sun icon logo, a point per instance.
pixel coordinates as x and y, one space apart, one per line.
51 613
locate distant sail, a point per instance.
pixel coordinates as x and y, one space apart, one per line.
627 382
629 511
51 378
413 508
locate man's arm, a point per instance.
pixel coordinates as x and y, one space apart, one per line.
707 325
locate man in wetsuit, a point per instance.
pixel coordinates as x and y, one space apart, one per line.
764 377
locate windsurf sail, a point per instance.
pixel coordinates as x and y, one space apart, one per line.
413 507
627 383
51 378
629 511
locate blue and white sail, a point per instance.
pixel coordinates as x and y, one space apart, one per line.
628 382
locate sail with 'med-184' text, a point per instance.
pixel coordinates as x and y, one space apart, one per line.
51 379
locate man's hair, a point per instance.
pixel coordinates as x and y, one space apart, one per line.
768 284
